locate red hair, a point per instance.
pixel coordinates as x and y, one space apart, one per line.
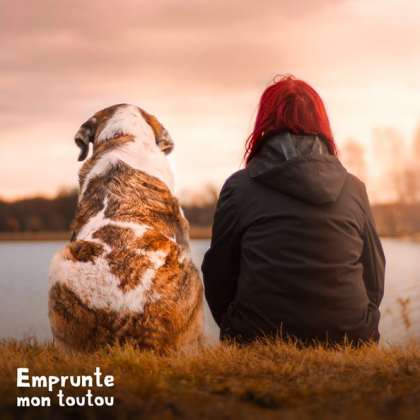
290 105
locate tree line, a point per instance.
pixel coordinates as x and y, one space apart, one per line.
43 214
39 214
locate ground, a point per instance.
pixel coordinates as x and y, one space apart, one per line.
262 381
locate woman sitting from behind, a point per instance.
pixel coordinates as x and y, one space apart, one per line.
294 249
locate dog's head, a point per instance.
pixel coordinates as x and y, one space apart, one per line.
122 120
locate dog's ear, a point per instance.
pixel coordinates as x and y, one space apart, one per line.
162 137
86 135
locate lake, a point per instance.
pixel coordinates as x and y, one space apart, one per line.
24 286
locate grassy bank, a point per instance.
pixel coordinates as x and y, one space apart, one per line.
225 382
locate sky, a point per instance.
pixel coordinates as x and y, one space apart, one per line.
200 68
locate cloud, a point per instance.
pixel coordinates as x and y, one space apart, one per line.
57 56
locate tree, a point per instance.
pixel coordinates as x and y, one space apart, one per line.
353 157
416 145
390 156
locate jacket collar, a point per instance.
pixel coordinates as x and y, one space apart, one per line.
299 166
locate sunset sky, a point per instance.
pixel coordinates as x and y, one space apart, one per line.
200 68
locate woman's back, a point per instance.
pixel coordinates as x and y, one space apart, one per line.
309 254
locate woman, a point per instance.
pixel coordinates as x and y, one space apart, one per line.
294 248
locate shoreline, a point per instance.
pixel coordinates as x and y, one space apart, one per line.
196 232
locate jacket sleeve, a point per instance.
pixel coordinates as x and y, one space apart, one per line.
222 261
373 260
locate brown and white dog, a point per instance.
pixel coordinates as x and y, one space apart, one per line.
127 274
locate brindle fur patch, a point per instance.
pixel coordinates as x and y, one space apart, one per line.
85 251
148 201
123 260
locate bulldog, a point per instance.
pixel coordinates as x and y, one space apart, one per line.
127 273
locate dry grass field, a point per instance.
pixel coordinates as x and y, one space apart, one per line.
268 380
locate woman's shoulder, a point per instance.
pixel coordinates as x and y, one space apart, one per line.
239 178
357 189
238 181
355 183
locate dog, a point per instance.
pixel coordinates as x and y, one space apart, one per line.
127 273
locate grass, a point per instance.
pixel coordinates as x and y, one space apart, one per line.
263 381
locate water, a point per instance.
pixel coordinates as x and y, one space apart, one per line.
24 287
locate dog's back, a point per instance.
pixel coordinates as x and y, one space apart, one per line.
127 274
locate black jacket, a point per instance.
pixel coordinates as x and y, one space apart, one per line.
294 248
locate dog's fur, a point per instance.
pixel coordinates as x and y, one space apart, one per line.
127 274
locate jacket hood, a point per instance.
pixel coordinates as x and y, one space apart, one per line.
300 166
